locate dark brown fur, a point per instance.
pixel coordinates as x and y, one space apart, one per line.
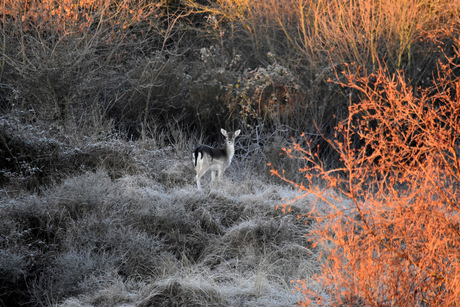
212 152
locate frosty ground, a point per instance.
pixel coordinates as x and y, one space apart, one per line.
117 223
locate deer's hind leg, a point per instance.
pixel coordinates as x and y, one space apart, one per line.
201 169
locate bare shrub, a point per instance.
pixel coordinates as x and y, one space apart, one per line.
389 231
77 63
344 32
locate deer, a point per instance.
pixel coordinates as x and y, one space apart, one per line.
214 159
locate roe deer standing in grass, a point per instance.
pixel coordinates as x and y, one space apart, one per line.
214 159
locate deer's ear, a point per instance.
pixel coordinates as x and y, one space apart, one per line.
223 132
237 132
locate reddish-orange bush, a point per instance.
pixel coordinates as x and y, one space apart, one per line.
388 221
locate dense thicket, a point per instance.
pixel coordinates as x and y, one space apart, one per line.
140 66
394 204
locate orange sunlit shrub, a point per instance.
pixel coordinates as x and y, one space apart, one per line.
64 17
343 31
388 221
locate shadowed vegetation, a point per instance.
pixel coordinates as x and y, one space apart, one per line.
102 102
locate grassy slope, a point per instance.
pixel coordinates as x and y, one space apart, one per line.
139 233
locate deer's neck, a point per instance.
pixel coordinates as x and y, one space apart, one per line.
230 151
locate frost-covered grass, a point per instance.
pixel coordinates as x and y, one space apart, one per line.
143 235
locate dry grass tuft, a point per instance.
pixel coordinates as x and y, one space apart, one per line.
181 292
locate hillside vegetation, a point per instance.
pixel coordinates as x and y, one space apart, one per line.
140 66
133 230
354 104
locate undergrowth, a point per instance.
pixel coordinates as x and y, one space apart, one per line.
143 235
